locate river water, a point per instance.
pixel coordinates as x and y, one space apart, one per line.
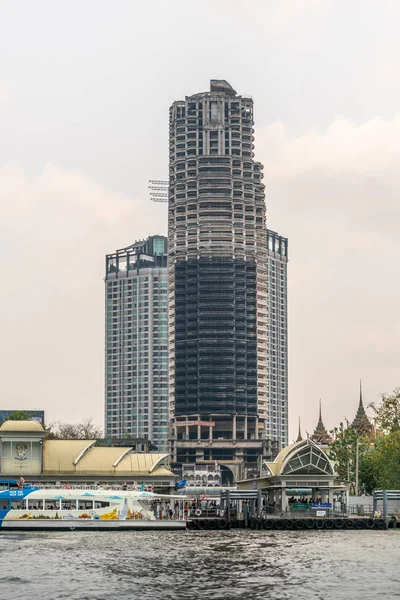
348 565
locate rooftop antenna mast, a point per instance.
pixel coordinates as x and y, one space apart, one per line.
158 190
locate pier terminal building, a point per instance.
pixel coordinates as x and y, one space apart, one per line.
25 452
301 470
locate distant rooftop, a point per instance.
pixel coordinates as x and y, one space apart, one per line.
221 85
217 86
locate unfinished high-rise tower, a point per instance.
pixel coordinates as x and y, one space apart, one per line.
217 257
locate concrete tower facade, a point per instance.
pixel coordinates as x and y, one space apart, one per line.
277 422
136 377
217 257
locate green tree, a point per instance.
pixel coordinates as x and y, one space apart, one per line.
368 472
347 442
386 460
387 415
19 415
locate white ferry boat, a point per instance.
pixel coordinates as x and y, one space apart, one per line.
26 507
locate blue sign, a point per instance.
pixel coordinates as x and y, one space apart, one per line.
181 484
321 505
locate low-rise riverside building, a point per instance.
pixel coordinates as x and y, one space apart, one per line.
302 471
25 452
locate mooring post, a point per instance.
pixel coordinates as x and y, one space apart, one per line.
228 504
259 502
246 515
385 503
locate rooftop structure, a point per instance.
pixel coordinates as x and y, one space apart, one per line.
21 426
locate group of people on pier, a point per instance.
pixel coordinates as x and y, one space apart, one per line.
183 509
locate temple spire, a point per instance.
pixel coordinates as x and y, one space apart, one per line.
361 420
299 436
320 433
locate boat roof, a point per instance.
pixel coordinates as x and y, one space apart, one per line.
83 493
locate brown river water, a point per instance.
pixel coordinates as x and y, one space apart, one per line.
221 565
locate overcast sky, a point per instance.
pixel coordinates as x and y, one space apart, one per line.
85 88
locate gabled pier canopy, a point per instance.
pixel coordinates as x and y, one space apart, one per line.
303 471
304 457
307 459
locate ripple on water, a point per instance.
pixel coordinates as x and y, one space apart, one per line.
201 565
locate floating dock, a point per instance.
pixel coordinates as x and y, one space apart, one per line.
289 524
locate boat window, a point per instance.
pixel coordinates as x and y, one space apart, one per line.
35 504
3 504
51 504
68 504
99 504
85 504
18 504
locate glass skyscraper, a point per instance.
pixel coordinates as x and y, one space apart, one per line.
136 374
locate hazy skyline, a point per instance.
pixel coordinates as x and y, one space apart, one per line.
84 95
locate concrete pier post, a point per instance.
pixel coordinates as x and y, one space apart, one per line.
246 514
385 503
259 502
276 501
284 499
